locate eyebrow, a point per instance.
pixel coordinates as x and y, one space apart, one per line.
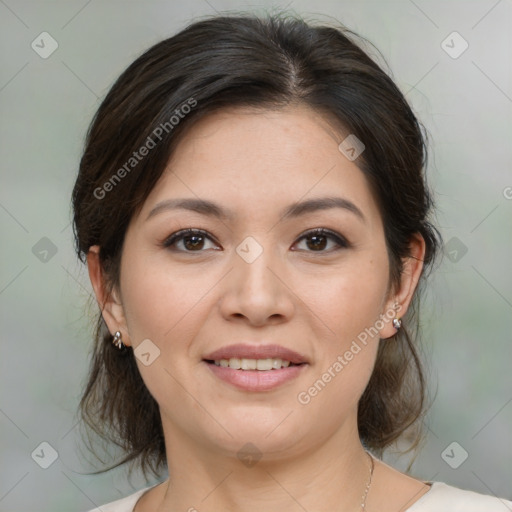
209 208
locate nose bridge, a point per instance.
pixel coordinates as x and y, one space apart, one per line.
253 261
254 288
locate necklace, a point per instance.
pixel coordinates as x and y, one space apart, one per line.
363 504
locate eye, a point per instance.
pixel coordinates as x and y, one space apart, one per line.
319 240
193 240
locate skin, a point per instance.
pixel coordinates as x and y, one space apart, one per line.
314 301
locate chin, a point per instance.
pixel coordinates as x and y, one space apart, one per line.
269 429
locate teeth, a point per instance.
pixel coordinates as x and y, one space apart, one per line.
252 364
277 363
264 364
234 362
248 364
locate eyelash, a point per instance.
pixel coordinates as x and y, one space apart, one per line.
341 242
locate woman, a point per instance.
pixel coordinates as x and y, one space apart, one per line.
252 208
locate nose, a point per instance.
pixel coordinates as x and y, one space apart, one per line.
257 292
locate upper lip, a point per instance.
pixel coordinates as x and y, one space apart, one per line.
245 351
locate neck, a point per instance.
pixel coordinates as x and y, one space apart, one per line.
328 477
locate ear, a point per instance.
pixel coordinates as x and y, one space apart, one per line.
110 304
400 300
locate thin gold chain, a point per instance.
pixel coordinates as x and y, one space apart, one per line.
365 495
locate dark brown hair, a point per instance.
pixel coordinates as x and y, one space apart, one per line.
267 63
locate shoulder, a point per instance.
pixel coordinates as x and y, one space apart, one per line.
126 504
445 498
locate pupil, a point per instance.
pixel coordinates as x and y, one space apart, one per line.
194 244
316 244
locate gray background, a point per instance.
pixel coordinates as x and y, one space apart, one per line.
46 105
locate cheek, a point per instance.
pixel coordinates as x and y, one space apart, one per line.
350 299
349 302
146 305
166 307
161 302
346 358
149 305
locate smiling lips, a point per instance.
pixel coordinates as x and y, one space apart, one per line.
255 367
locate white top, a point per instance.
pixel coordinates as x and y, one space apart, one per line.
440 498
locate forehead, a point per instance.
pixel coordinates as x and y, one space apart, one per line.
255 160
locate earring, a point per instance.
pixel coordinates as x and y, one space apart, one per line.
118 340
397 323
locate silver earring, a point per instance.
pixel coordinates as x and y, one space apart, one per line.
397 323
118 340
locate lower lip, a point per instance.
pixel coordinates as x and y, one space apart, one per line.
256 380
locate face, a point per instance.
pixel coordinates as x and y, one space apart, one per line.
257 284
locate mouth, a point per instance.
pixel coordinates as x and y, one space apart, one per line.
245 364
255 368
255 380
